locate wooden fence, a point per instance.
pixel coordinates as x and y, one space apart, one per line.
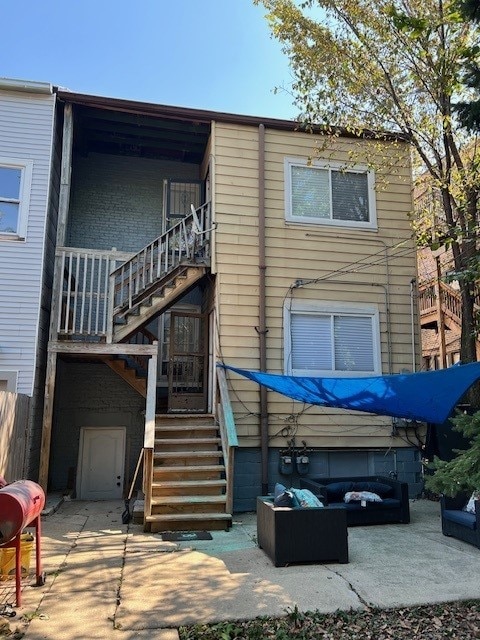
14 410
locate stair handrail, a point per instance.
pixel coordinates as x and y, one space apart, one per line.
228 433
451 299
187 241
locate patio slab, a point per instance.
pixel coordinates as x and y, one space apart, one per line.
107 578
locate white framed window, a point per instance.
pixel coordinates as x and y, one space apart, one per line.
324 339
8 381
329 194
15 186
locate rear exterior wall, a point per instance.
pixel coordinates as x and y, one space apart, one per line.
117 201
370 266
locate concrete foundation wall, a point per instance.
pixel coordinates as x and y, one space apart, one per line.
405 463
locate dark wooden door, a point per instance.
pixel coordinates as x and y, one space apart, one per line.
187 366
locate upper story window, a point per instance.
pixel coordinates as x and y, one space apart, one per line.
15 184
329 193
331 339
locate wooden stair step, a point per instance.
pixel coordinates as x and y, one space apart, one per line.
190 469
165 455
184 427
188 500
179 517
189 522
186 441
181 484
190 419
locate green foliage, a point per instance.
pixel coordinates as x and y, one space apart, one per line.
462 473
391 65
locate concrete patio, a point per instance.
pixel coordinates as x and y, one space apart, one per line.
110 580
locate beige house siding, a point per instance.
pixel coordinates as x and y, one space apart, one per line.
351 265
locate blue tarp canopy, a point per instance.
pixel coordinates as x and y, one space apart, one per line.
428 396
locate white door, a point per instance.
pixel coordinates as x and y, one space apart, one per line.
101 463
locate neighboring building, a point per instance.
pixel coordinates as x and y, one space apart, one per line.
439 308
27 237
284 264
439 298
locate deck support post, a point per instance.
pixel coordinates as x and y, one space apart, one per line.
47 419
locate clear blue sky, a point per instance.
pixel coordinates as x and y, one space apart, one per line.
211 54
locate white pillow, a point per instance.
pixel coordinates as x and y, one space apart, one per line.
368 496
470 506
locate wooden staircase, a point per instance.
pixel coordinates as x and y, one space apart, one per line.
159 298
160 273
130 374
188 489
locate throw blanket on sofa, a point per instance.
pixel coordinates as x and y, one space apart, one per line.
428 396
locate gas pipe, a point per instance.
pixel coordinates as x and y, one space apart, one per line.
20 503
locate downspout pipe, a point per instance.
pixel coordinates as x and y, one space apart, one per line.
262 325
413 282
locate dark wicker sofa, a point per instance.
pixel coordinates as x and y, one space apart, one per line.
295 534
393 508
459 523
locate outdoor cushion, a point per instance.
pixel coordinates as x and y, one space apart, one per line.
306 498
379 488
460 517
387 503
357 496
470 506
338 489
282 497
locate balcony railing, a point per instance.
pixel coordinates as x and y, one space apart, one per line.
82 293
91 285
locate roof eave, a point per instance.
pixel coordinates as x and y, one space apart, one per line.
206 116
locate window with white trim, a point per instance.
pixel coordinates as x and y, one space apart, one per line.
15 185
329 193
335 340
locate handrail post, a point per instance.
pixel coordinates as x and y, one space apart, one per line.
149 437
110 302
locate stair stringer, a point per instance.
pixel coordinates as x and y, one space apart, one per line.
128 374
159 300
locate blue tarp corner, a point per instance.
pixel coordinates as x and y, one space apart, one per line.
427 396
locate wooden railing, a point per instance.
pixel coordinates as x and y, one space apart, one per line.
142 336
451 301
185 242
450 298
91 284
228 433
82 309
427 299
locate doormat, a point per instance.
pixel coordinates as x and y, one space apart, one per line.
185 536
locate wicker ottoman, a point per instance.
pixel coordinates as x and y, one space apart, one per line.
301 535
